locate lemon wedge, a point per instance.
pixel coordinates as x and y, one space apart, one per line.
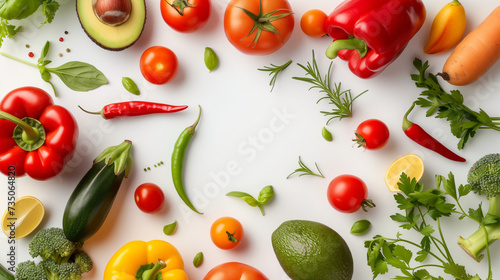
411 164
23 217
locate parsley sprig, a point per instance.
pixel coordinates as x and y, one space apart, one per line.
342 100
464 122
422 213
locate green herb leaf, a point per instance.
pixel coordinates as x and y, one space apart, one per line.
304 170
130 86
266 194
264 197
360 227
49 9
327 135
211 59
249 199
198 259
170 228
274 71
464 122
79 76
341 100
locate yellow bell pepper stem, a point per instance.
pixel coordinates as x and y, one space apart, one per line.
150 274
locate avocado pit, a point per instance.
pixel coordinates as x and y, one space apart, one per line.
112 12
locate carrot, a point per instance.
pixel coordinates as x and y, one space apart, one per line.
475 54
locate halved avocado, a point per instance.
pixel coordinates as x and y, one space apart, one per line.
114 38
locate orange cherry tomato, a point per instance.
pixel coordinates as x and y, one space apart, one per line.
226 233
158 65
312 23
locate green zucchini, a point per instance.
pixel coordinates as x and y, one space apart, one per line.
93 197
5 274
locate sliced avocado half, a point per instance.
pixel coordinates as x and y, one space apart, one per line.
115 38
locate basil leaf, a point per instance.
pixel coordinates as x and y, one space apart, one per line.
327 135
79 76
170 228
198 259
360 227
130 86
211 59
250 200
44 53
266 194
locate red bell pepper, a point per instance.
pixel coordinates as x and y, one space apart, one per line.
36 137
371 34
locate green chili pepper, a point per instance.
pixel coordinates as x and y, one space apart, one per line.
180 148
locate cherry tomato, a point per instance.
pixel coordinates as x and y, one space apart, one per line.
226 233
238 26
312 23
158 65
194 16
234 271
347 193
149 198
372 134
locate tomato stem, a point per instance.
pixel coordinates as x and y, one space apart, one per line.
367 204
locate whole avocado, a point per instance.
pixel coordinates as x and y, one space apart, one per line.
308 250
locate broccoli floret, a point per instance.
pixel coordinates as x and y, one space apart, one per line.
83 261
29 270
62 259
52 244
484 179
64 271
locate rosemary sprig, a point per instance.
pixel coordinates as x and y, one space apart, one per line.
304 170
274 71
464 122
341 99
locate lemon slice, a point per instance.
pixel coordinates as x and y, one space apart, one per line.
23 217
411 164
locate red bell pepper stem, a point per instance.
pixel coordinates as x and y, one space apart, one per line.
30 135
420 136
346 44
135 108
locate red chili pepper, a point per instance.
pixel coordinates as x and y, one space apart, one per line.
370 34
36 137
420 136
135 108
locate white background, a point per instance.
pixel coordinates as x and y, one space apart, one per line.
242 125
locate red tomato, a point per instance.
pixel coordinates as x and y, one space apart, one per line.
158 65
238 26
372 134
312 23
226 233
234 271
149 198
194 16
348 193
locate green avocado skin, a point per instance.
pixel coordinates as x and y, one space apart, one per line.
308 250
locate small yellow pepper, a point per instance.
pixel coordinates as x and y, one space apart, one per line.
447 28
125 263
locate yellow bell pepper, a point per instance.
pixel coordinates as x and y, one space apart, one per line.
447 28
125 263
